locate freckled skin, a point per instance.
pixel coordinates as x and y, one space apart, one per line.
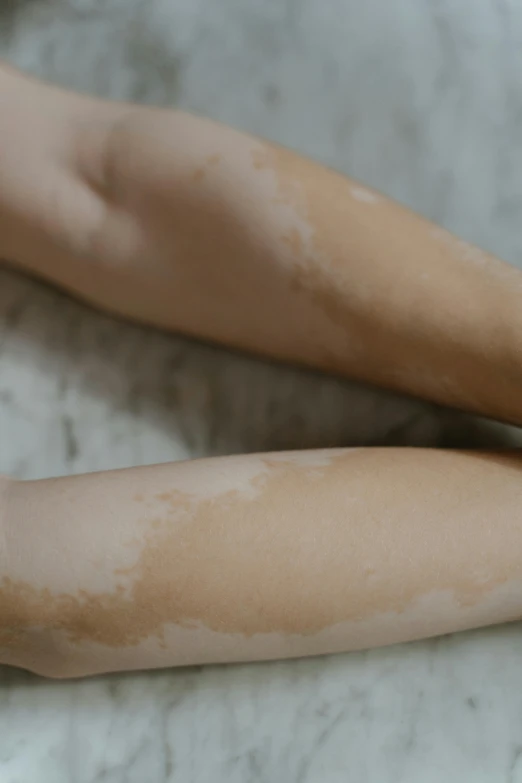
288 545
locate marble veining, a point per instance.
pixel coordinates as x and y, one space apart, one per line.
421 100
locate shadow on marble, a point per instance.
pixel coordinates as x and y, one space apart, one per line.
90 382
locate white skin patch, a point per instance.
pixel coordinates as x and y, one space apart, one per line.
429 614
466 251
366 196
474 255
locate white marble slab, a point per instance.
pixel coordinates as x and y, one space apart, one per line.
420 98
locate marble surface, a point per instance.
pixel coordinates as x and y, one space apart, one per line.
423 100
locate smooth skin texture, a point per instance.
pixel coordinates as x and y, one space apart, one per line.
257 557
174 221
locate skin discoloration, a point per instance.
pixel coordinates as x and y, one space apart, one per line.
355 286
399 292
363 194
474 255
305 549
200 172
323 201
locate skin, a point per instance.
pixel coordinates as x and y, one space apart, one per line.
261 556
174 221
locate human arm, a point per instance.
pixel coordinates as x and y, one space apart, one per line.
256 557
178 222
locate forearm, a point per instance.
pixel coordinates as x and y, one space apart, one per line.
265 556
187 225
271 253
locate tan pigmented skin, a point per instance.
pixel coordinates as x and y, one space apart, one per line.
413 298
305 549
201 171
252 246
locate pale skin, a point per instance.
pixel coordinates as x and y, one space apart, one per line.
174 221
